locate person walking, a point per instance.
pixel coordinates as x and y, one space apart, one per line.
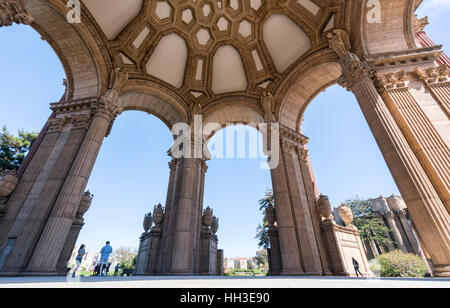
79 259
356 266
104 256
116 269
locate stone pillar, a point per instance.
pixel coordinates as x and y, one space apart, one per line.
170 217
30 204
404 218
289 250
74 232
398 90
390 218
59 223
312 197
52 238
303 208
203 168
430 216
183 246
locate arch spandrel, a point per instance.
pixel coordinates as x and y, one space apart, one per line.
80 47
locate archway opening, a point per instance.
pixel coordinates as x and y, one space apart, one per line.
28 84
349 168
237 179
129 178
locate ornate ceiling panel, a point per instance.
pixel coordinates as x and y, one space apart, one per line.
206 49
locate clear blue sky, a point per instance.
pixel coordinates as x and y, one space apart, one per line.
131 173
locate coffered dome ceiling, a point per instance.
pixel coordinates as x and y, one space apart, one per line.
206 49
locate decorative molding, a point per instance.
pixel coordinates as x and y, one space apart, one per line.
420 24
353 69
390 81
267 103
13 11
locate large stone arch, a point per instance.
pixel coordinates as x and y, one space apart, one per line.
80 47
305 83
152 98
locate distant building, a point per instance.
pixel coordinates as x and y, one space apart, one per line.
393 212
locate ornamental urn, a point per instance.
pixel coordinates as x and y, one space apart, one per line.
324 206
8 182
207 217
346 214
85 203
158 214
148 221
215 225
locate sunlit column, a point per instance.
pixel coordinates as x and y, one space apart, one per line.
429 214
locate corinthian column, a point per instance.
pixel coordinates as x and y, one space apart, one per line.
14 11
427 210
51 242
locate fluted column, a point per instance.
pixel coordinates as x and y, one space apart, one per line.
311 195
289 249
430 216
183 246
425 140
164 260
403 215
390 218
48 250
52 239
292 146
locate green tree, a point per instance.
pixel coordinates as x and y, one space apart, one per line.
262 233
126 257
261 258
14 149
366 220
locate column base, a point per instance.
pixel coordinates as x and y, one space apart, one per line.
441 271
292 272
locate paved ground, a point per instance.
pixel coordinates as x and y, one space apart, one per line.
220 282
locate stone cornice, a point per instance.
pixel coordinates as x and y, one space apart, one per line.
287 134
406 57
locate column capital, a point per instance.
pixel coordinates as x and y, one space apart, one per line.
353 69
13 11
390 81
433 74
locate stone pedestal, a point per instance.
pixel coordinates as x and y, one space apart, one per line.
143 252
208 254
219 262
343 244
154 250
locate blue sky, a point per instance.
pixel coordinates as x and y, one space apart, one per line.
131 173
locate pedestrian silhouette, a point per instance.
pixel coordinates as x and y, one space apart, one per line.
356 266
